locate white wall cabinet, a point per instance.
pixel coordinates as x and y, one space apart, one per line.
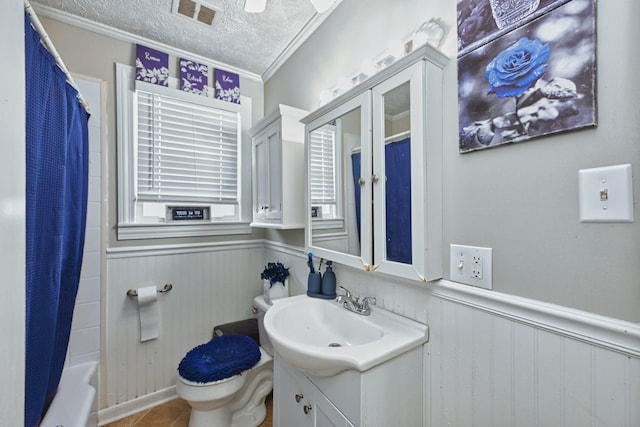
374 157
278 169
389 394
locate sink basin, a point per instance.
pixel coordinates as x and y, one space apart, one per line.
322 338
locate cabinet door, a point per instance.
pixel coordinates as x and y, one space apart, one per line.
268 174
291 396
400 174
275 173
338 154
298 402
261 182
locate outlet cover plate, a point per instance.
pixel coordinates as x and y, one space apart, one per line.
471 265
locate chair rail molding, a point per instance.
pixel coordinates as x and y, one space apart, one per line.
612 334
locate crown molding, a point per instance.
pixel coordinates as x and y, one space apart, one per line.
125 36
309 28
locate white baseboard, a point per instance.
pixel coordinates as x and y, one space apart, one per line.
123 410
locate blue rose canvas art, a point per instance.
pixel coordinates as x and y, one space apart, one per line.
534 81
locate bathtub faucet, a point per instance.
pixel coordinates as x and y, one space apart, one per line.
355 304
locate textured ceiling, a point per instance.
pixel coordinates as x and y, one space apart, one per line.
250 42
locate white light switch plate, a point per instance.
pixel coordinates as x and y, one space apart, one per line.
471 265
606 194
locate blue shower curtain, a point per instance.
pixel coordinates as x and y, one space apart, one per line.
397 199
56 204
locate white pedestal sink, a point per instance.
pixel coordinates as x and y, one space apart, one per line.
321 338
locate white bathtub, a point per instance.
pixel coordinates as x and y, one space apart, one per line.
75 399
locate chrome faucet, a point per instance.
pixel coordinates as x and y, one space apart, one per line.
355 304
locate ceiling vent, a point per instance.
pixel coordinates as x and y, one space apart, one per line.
195 10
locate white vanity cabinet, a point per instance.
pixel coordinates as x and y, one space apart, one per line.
390 394
374 158
278 169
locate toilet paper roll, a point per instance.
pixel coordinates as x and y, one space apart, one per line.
149 315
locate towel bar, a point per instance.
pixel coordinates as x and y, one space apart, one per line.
167 287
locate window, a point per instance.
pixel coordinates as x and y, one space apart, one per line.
322 173
186 151
180 162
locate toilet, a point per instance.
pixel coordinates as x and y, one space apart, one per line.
226 384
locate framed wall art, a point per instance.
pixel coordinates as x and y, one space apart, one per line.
536 80
152 65
227 86
194 77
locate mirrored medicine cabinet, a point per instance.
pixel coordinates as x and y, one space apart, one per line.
374 171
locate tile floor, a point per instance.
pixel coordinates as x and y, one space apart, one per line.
174 414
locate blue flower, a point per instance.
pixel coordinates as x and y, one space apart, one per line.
517 68
275 272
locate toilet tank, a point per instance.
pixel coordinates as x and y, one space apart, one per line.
260 307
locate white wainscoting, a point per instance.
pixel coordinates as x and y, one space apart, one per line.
497 360
212 284
489 370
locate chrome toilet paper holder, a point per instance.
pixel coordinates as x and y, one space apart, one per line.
167 287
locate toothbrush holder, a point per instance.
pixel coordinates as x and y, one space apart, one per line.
314 283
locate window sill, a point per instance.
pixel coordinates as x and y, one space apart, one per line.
159 231
327 224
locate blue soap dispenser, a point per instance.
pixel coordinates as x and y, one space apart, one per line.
329 281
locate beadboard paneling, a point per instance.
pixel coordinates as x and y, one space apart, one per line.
488 370
211 285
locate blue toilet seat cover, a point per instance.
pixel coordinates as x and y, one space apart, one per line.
220 358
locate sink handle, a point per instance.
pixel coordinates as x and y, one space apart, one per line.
347 293
370 300
366 301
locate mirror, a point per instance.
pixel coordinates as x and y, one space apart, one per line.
397 174
334 161
347 198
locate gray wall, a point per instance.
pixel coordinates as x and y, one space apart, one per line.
521 200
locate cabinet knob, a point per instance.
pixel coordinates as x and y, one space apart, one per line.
374 178
299 397
307 409
361 181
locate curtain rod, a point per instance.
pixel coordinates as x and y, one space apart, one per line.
44 38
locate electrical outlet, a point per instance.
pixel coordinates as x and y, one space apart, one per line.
471 265
476 267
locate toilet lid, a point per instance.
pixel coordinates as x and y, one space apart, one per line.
220 358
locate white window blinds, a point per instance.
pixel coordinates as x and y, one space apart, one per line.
322 165
185 151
